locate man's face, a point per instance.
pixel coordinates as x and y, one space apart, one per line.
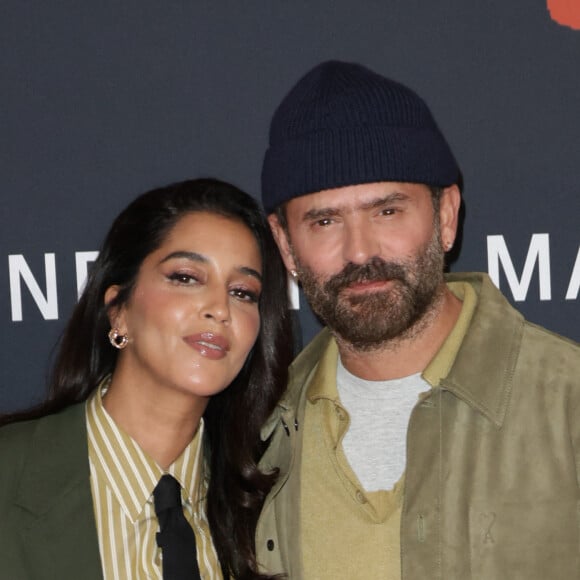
370 256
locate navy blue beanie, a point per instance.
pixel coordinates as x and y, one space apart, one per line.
343 124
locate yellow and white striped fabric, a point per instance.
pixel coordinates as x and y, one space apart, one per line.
123 478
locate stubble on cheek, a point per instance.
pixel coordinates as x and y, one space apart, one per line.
368 320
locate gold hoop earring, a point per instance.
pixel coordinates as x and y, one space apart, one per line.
117 339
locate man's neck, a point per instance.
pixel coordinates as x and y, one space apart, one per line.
407 355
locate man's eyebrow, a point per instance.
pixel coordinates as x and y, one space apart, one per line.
324 212
195 257
381 201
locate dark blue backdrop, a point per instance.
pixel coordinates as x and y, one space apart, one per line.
101 101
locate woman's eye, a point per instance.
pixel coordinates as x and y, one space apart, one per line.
182 278
245 295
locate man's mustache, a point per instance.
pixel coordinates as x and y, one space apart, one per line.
375 270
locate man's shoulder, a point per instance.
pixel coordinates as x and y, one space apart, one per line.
302 367
551 338
500 342
309 357
490 298
551 346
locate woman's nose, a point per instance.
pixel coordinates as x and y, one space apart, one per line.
217 306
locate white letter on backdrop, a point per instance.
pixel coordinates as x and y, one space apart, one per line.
539 251
18 269
574 286
81 261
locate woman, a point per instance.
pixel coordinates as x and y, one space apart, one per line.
173 358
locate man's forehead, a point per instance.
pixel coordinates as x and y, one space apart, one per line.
353 196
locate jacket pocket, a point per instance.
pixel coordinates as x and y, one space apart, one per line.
525 540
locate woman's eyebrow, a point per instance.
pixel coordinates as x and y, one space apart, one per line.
250 272
200 258
193 256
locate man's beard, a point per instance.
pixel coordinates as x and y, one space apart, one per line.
368 320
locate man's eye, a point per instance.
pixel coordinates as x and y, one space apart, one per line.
323 222
388 211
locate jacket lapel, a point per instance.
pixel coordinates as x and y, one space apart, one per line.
56 503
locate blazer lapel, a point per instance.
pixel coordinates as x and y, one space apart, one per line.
56 502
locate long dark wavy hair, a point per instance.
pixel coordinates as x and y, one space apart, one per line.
233 418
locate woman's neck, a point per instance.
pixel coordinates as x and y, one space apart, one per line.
161 424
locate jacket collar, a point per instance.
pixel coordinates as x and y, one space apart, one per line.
55 499
299 373
481 374
483 370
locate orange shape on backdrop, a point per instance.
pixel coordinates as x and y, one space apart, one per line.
565 12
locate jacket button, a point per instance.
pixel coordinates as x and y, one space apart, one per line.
270 545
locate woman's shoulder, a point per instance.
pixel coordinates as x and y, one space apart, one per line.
39 444
15 445
17 438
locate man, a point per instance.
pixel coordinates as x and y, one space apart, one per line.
429 431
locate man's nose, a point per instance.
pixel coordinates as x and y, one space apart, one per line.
359 244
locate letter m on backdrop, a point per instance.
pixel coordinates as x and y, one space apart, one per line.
538 252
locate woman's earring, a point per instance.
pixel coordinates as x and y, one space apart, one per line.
294 274
118 340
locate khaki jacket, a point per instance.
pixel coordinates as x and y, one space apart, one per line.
493 458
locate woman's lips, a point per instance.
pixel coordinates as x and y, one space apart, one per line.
208 344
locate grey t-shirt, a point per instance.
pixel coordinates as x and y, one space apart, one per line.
375 443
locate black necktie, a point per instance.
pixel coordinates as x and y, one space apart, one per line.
176 538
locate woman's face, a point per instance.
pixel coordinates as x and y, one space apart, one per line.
193 315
